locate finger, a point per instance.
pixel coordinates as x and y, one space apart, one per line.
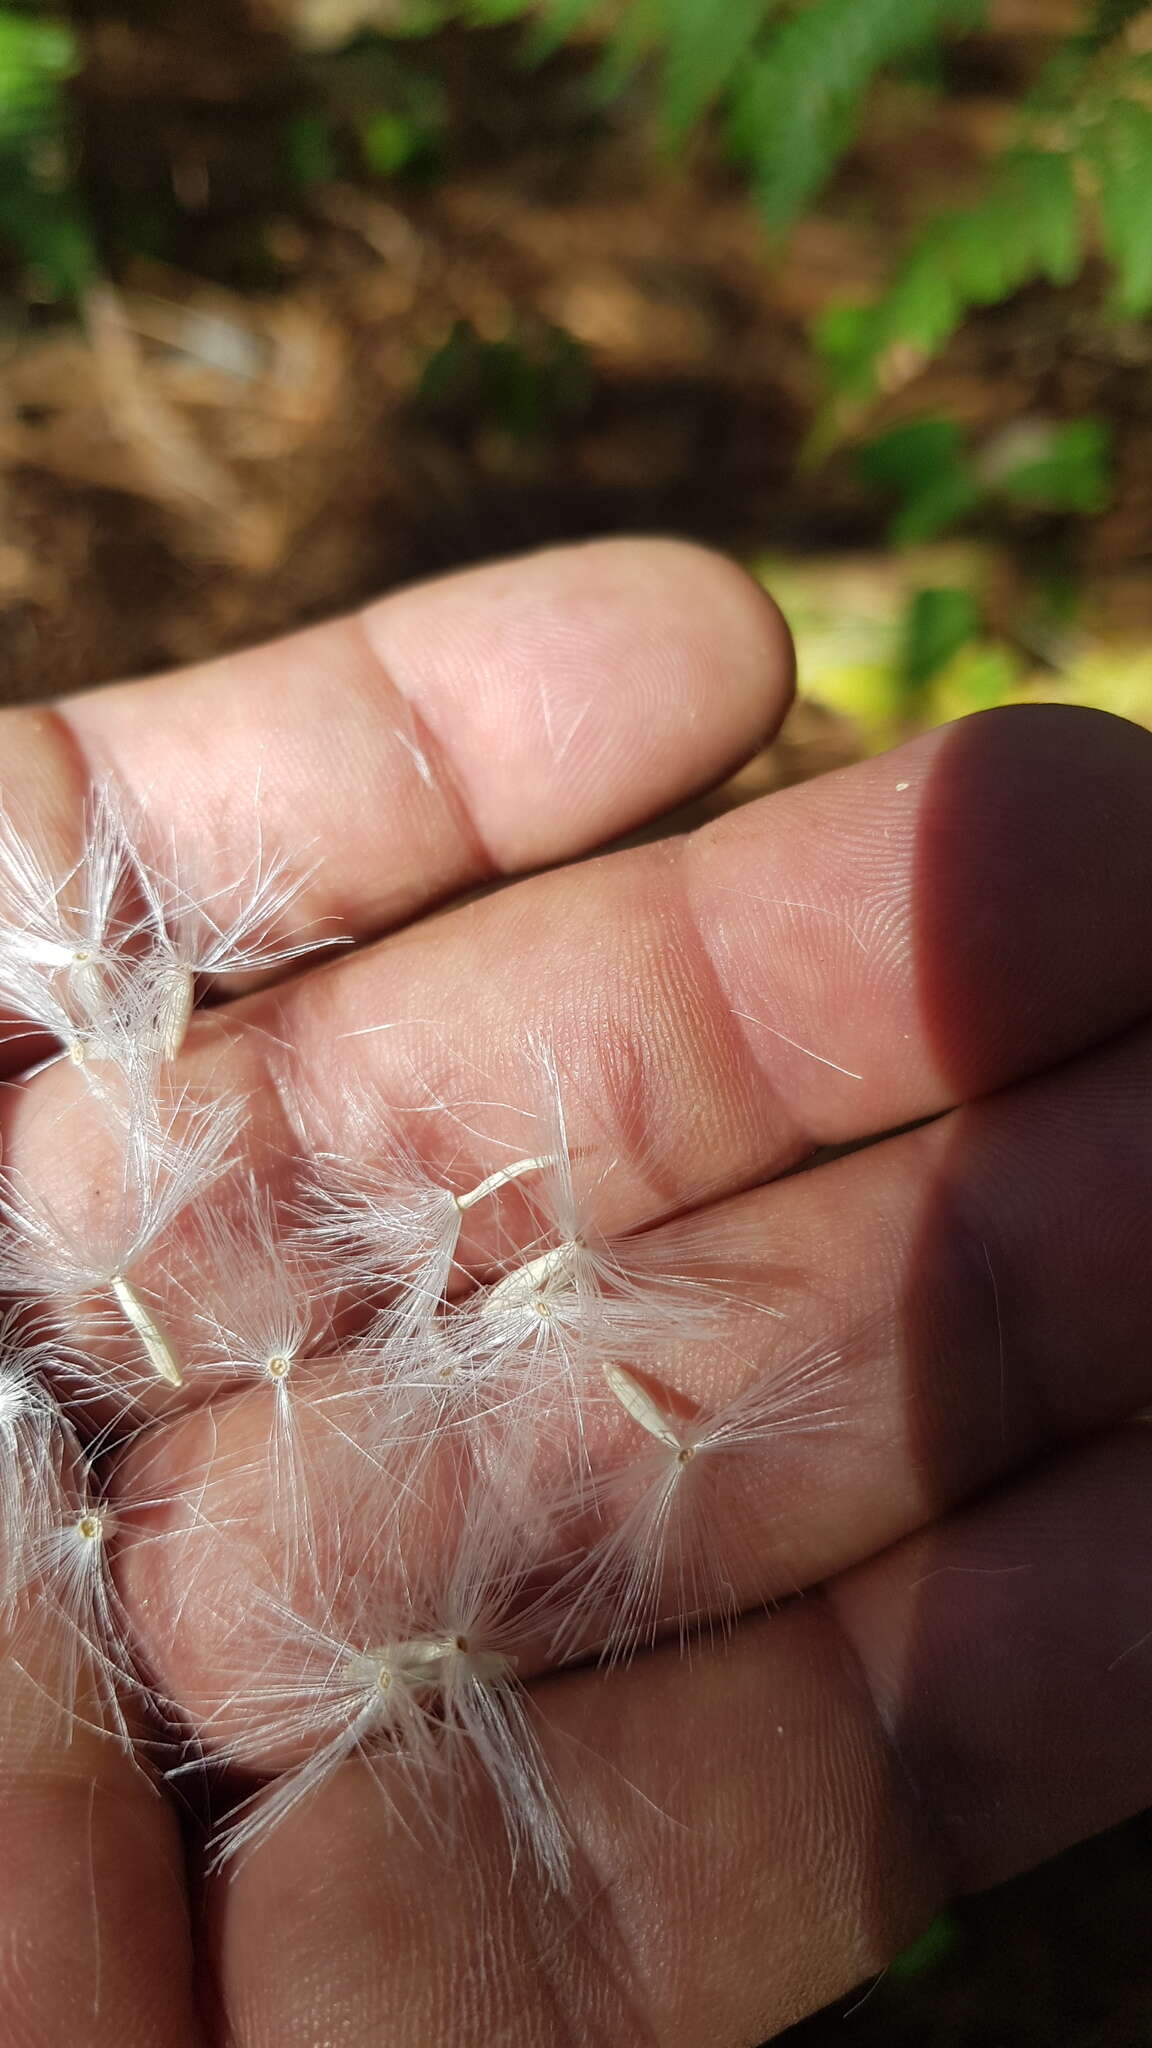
1009 1650
838 959
971 1285
760 1828
503 718
97 1946
892 952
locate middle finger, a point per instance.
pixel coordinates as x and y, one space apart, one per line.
973 1283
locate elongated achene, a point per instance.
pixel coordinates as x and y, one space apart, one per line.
640 1403
502 1178
161 1357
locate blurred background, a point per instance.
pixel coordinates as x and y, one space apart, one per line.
303 298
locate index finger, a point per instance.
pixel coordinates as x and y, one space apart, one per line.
837 960
498 720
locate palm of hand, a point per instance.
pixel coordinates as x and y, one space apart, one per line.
964 1686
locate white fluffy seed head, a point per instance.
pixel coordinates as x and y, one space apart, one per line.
388 1228
35 1445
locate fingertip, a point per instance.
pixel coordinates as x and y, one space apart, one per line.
1031 888
577 691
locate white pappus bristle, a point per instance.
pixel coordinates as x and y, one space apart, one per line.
201 932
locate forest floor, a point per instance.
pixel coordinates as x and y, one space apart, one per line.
312 393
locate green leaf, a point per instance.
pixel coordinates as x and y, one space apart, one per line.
1028 224
388 142
925 465
48 230
39 217
1120 149
982 265
1073 473
939 506
907 458
1038 188
46 49
494 13
842 335
553 22
977 678
925 67
638 33
419 18
800 102
522 388
937 624
922 306
706 44
35 58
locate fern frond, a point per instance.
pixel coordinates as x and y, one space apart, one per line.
705 46
1119 150
801 100
1086 133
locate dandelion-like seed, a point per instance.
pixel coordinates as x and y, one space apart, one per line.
70 960
259 1326
662 1561
385 1225
79 1611
198 934
95 1526
419 1680
544 1325
168 1164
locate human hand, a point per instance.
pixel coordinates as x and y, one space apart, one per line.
959 931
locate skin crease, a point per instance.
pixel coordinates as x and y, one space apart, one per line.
942 1676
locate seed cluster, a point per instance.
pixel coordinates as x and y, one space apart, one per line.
475 1454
